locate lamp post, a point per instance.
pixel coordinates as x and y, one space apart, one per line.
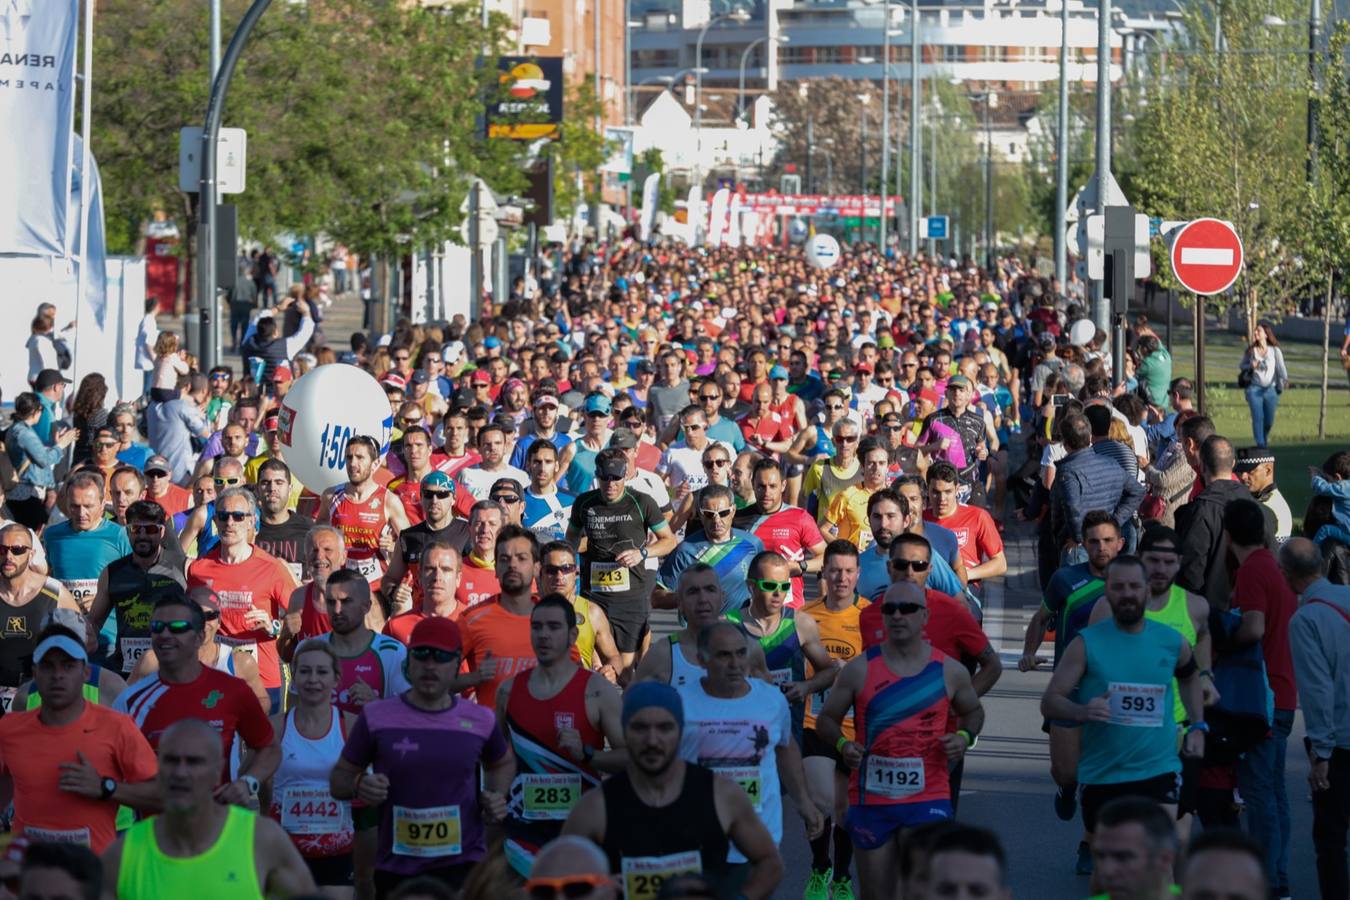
1062 153
885 120
863 101
915 149
989 98
739 16
745 56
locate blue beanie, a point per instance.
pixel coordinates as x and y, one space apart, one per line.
652 693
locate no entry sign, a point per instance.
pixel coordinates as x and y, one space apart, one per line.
1206 256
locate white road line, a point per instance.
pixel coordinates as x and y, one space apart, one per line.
1207 256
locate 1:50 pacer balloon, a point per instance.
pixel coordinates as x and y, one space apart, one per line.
324 410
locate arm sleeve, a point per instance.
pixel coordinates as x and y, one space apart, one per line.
1315 680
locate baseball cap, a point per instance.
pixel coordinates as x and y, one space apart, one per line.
885 341
272 422
546 400
958 381
778 373
1249 458
863 367
282 373
492 341
611 469
1159 537
68 645
436 632
597 403
158 464
421 376
438 480
205 597
392 380
645 367
623 439
930 395
452 351
1047 340
45 379
504 486
480 376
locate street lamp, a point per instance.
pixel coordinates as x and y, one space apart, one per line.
989 98
915 185
745 56
740 17
863 101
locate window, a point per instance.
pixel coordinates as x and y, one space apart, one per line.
656 59
953 53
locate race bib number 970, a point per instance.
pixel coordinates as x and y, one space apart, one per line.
430 832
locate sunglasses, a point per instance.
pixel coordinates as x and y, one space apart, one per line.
410 423
437 495
422 654
905 609
13 549
157 473
834 406
693 426
847 439
565 569
107 445
719 513
904 565
210 615
772 587
909 365
145 529
709 397
506 498
228 515
227 482
570 887
177 626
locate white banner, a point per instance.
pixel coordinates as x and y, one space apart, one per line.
37 115
650 189
695 214
717 219
734 222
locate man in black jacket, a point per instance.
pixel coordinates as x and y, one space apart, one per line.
1204 568
1086 480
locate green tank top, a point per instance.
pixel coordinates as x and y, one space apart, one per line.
1176 615
227 871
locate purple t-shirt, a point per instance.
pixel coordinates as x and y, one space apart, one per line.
431 760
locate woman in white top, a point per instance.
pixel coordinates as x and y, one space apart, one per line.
1263 375
42 346
312 735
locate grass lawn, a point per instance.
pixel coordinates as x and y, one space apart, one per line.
1294 438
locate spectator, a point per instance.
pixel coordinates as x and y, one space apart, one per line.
88 413
1204 569
173 425
1086 480
1263 376
34 462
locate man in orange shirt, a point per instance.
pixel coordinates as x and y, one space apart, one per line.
497 633
72 762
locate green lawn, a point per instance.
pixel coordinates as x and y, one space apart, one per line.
1294 438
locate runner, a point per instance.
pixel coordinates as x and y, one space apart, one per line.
547 509
401 590
718 543
1135 851
312 733
544 430
71 761
27 598
416 453
101 685
306 613
700 601
184 688
826 478
946 547
901 693
198 533
703 816
424 748
789 638
1125 667
572 865
579 458
438 582
836 615
976 534
890 514
281 531
595 639
478 576
610 526
789 531
200 847
557 717
978 438
497 634
364 510
126 585
371 664
493 447
847 516
254 587
80 548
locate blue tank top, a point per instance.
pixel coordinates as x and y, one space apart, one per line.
824 442
1140 741
581 472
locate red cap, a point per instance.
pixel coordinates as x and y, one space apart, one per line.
480 376
930 395
395 381
282 373
272 422
436 632
863 367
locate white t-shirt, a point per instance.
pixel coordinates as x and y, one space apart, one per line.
479 481
682 463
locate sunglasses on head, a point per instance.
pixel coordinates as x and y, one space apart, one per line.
229 515
569 887
772 587
905 609
13 549
175 626
423 654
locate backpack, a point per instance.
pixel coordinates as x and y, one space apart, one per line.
1241 718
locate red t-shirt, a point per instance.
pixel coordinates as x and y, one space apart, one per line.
260 582
175 500
217 698
789 532
951 628
768 428
476 584
401 626
1260 587
977 537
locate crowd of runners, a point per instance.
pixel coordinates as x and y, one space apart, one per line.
676 551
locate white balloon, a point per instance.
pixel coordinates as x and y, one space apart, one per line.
1081 332
822 251
324 410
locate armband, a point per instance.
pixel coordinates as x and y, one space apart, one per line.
1187 670
970 738
839 744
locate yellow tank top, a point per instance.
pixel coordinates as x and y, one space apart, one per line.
842 639
585 632
227 871
1175 615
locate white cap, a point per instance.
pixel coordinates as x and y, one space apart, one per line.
72 648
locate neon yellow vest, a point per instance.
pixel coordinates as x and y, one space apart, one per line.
1176 615
227 871
585 633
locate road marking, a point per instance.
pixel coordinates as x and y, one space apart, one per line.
1207 256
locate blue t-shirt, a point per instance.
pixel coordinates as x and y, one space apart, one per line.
731 560
78 558
525 441
547 516
136 455
874 577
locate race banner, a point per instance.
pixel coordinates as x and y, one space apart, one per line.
650 189
717 219
37 117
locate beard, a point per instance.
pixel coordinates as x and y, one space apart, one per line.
1129 614
514 582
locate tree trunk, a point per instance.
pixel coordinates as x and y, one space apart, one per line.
1326 355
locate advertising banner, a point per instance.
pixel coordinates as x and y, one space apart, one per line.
529 103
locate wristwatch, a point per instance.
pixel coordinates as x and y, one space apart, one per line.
1202 727
252 784
108 787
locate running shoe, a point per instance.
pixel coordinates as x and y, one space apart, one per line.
1066 803
1084 864
818 885
843 889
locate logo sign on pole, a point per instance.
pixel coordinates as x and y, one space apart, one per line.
1206 256
529 104
231 158
933 227
1096 248
822 251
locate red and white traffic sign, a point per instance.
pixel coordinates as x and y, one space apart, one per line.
1206 256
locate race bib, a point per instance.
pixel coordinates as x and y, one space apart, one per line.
430 832
57 835
749 779
1137 705
608 578
780 677
83 590
132 649
7 697
549 797
643 876
249 647
297 571
311 809
893 777
368 566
